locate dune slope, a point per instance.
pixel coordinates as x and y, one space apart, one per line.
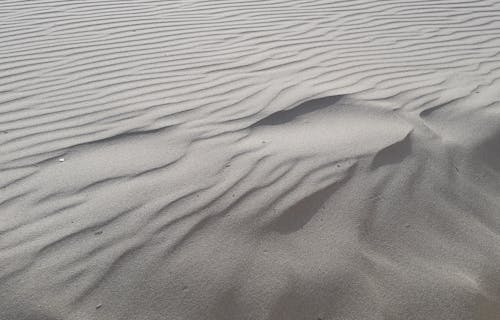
279 160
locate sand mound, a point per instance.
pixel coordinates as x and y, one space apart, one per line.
278 160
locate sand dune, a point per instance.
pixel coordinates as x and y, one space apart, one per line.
278 160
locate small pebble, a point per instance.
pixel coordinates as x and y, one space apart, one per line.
61 159
98 306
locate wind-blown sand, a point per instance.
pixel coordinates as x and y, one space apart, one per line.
280 160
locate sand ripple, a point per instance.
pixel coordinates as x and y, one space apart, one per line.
250 159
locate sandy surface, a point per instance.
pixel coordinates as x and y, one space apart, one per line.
246 160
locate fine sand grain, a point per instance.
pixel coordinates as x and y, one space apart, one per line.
247 160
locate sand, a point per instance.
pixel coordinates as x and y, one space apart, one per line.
246 160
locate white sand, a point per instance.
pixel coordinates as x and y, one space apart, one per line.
245 160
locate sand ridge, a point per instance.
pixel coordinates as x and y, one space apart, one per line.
250 159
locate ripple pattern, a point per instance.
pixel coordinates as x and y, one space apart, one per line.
202 159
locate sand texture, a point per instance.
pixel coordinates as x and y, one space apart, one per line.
250 160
